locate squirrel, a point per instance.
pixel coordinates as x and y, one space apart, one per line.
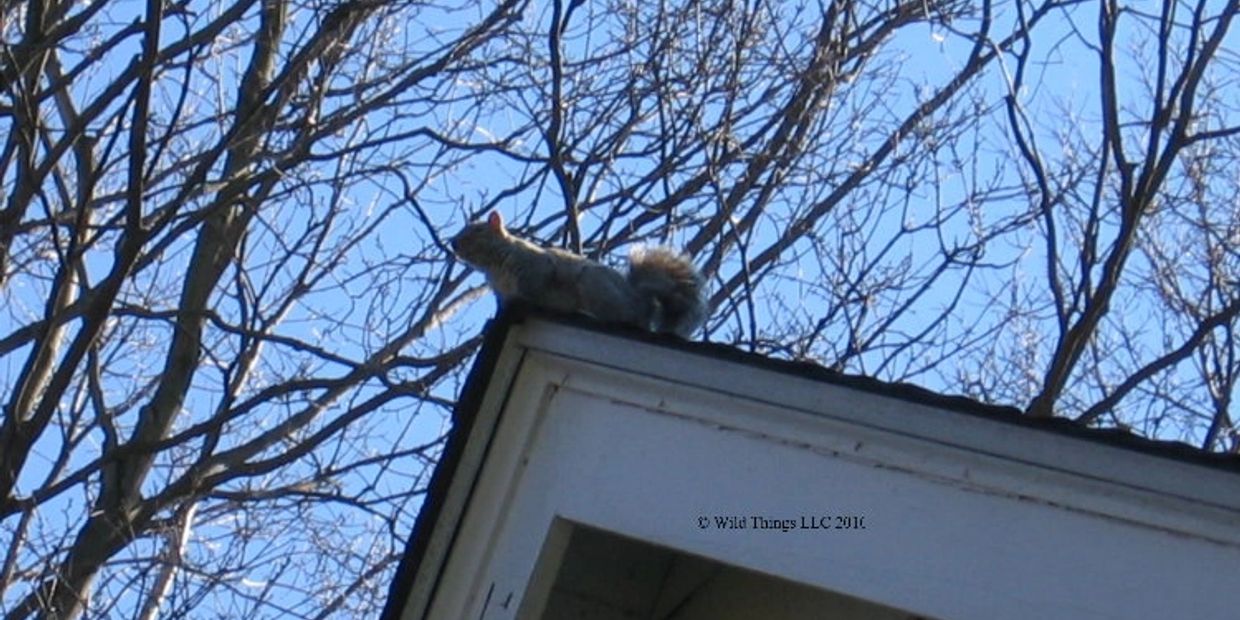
662 291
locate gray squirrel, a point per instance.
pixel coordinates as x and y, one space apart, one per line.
662 291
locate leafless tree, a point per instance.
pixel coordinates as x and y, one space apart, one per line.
1138 217
232 333
204 206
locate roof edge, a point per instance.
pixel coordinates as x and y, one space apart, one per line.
470 401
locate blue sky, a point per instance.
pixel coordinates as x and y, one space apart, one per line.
380 287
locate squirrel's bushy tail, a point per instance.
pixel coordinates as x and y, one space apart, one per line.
673 287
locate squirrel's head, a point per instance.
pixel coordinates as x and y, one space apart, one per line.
477 239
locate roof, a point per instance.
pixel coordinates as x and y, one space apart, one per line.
497 334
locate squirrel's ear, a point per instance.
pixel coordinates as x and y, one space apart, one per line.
496 221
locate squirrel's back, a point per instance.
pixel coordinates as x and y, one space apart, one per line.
661 292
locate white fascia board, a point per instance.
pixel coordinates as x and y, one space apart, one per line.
966 517
461 490
1045 450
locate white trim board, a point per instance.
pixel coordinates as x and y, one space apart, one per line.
964 517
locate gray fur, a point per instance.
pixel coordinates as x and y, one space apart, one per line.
662 291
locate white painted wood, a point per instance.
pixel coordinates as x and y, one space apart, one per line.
748 383
491 503
555 545
964 517
441 543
